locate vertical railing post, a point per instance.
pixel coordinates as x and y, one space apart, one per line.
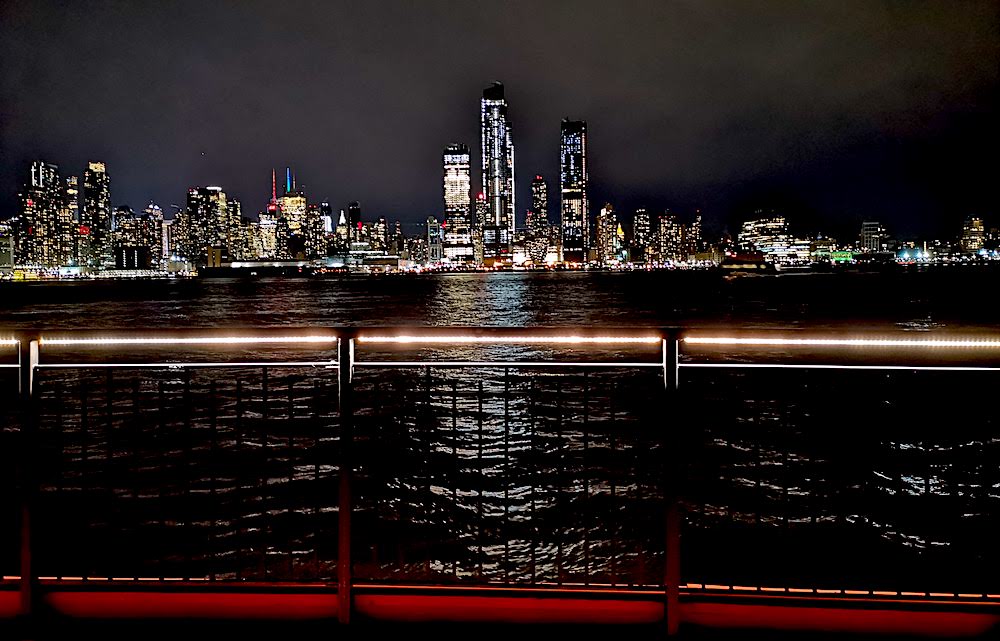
28 473
345 388
672 558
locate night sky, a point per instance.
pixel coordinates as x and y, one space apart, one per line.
830 111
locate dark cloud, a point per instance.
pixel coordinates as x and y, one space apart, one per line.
837 110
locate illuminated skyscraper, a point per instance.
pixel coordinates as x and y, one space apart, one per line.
537 237
457 186
643 245
354 218
95 221
205 224
973 235
575 216
538 215
874 238
498 174
42 231
608 241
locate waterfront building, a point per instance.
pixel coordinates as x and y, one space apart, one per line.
574 204
205 224
379 235
458 245
265 236
609 236
643 247
973 235
95 219
693 236
295 220
670 239
874 237
498 175
770 235
435 244
72 233
354 219
536 237
43 229
481 217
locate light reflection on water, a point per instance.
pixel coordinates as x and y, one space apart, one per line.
774 470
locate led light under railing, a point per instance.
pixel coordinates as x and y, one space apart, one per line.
990 343
9 342
190 340
513 340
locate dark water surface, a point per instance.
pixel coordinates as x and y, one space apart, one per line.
952 298
816 478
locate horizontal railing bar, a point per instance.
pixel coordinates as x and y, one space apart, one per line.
907 368
497 364
323 364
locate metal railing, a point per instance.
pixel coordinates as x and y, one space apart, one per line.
472 456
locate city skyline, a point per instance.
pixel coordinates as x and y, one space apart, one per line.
743 116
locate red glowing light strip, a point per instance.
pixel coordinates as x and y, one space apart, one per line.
844 342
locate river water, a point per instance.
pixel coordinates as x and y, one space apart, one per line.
840 479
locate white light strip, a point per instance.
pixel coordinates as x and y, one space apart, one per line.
907 368
497 364
9 342
192 340
514 340
324 364
846 342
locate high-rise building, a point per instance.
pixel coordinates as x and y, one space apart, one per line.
670 239
435 247
609 236
874 237
265 237
770 234
205 224
973 235
643 245
498 175
354 219
458 247
42 231
295 212
537 222
73 203
574 208
95 220
538 216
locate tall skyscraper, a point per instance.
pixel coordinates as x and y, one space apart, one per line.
643 247
205 224
538 215
498 174
575 216
457 186
874 237
42 231
354 219
973 235
608 240
95 223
